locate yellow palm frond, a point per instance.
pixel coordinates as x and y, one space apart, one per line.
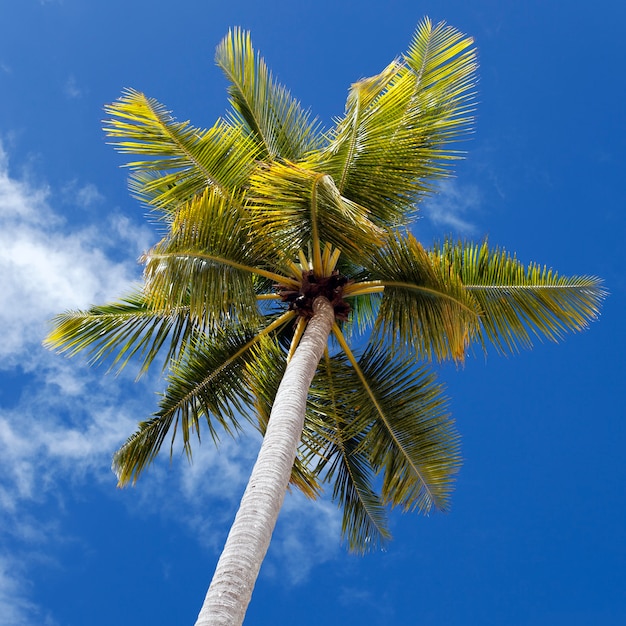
393 140
179 160
275 120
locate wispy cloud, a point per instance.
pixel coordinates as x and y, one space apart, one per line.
15 607
49 435
52 441
307 534
454 208
72 89
45 266
85 195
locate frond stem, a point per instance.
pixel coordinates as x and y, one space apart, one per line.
378 286
283 319
277 278
344 453
317 252
295 340
346 348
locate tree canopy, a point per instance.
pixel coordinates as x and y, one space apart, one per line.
265 212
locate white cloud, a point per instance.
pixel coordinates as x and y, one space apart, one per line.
72 89
53 442
74 438
83 196
454 207
307 534
15 608
45 266
49 435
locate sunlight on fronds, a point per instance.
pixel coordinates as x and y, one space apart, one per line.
423 307
181 160
517 301
276 121
292 206
392 143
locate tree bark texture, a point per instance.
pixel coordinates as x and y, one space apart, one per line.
237 569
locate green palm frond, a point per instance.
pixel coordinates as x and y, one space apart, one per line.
207 262
363 315
294 206
364 519
208 381
392 143
275 119
140 449
181 160
411 440
337 444
520 301
123 330
424 306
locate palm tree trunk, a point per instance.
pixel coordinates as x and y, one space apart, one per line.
238 567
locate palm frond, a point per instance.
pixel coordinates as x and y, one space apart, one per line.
363 315
140 449
424 306
274 118
208 381
364 519
518 302
294 206
411 440
337 444
258 208
207 262
392 143
180 160
123 330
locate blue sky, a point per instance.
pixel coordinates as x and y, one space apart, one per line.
537 530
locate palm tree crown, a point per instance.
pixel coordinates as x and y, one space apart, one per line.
265 213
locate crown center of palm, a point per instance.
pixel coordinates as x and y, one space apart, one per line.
313 286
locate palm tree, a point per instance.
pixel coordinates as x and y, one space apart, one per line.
288 290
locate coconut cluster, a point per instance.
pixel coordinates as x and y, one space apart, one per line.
311 287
